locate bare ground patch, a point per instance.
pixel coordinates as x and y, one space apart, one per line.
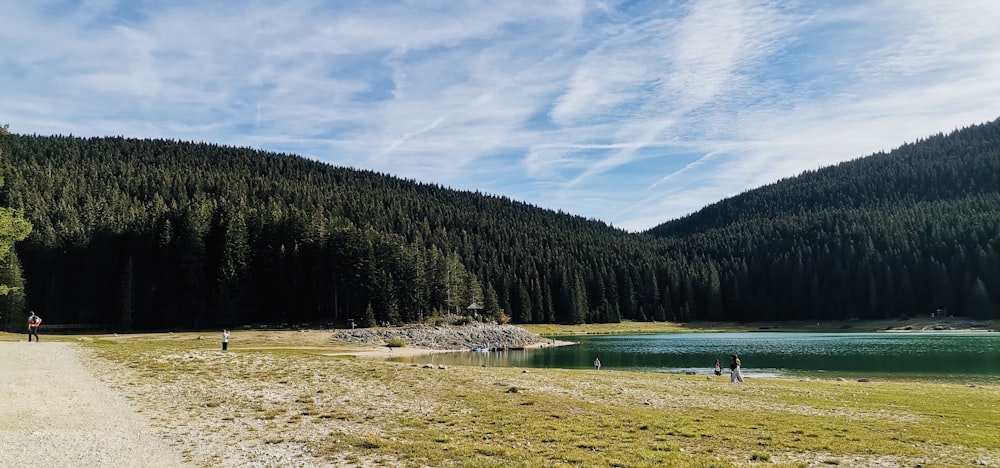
303 399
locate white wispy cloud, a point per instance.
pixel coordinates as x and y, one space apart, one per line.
632 113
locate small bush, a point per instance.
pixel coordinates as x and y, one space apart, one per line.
760 457
395 342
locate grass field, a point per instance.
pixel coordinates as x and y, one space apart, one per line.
302 399
899 325
307 399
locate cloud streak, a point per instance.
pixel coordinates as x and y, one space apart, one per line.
629 113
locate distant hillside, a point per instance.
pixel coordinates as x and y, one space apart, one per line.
963 164
917 229
157 233
164 234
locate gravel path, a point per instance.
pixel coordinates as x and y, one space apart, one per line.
54 413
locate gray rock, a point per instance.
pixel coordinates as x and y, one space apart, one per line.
444 337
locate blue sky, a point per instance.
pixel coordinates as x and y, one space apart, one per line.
633 113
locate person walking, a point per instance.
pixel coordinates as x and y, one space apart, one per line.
735 366
718 367
34 322
597 363
225 339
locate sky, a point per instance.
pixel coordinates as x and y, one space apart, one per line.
628 112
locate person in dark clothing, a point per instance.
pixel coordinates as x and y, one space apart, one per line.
34 322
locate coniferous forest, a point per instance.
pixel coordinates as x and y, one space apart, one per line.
162 234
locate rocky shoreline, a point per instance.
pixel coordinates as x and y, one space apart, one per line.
445 337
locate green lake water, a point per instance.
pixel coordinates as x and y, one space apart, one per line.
948 356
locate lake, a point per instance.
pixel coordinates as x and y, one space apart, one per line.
965 356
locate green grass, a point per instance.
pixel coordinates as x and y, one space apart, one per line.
269 387
402 414
915 323
395 342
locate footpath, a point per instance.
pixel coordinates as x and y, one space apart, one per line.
55 413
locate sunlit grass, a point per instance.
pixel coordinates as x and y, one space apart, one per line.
915 323
275 389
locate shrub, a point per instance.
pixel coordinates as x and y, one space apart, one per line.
395 342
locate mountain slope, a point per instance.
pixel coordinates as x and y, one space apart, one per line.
188 233
914 230
942 167
162 234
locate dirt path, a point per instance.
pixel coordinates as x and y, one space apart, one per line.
54 413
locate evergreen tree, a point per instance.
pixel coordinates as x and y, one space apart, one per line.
13 228
368 318
979 304
13 309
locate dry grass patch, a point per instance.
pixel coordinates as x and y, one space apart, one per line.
914 323
281 403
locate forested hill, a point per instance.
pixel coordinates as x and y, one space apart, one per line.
950 167
163 234
157 233
914 230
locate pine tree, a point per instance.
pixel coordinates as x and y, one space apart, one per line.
13 228
979 305
13 309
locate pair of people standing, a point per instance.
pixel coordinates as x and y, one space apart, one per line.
735 366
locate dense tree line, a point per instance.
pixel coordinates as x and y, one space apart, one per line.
894 234
163 234
156 233
13 228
